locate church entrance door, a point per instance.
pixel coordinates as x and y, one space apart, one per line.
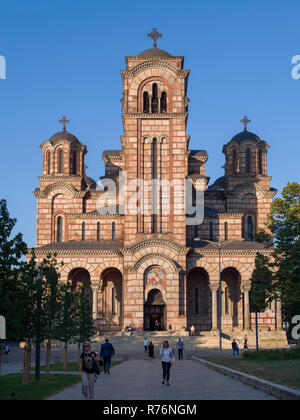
155 312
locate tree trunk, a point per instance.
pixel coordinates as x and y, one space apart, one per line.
27 362
66 356
0 357
48 357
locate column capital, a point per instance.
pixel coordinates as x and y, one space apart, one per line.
246 287
214 287
95 287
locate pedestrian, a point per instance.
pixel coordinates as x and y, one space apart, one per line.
146 345
166 359
106 353
87 371
180 346
150 351
246 343
170 329
237 349
234 347
7 349
193 330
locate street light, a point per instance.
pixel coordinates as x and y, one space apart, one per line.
219 245
38 332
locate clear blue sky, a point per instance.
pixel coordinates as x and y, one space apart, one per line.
64 58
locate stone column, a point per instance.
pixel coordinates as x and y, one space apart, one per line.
95 289
278 315
246 290
214 289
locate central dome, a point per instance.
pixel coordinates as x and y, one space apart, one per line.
154 52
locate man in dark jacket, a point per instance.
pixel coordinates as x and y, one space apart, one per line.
106 353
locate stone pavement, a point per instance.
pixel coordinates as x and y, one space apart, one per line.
141 379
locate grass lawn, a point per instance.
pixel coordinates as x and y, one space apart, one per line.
47 386
282 372
72 366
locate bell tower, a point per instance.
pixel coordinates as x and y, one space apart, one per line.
154 112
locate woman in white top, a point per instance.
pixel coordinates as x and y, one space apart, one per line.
166 359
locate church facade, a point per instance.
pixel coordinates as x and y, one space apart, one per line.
143 259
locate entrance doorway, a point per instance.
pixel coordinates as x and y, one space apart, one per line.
155 312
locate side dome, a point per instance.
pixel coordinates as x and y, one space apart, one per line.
63 135
154 52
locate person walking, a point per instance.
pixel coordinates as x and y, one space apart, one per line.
87 371
246 343
151 350
146 345
167 356
180 346
234 347
106 353
193 330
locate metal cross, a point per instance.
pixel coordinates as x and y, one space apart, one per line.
154 35
64 121
245 121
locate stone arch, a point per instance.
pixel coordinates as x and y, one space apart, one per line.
199 299
150 65
59 188
110 299
66 269
149 80
164 262
232 304
109 265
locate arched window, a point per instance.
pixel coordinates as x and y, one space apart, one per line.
260 166
226 231
83 231
60 161
154 187
234 162
154 100
74 162
249 223
226 306
248 161
163 102
211 231
84 205
113 231
196 301
48 162
98 231
146 102
59 229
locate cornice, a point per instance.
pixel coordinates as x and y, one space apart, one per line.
60 178
165 115
77 252
92 215
230 252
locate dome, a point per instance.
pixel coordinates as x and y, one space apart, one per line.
63 135
154 52
245 135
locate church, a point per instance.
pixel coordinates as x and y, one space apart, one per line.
145 261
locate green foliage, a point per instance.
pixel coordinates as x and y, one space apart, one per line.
12 249
84 318
262 283
262 236
272 354
66 325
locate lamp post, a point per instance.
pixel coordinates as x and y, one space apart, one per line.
219 245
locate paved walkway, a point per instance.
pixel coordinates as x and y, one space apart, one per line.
141 380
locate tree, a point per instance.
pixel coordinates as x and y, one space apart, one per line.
85 323
50 304
12 249
284 223
262 286
66 328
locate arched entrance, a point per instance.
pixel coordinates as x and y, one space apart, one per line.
199 300
155 311
80 277
110 300
232 305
